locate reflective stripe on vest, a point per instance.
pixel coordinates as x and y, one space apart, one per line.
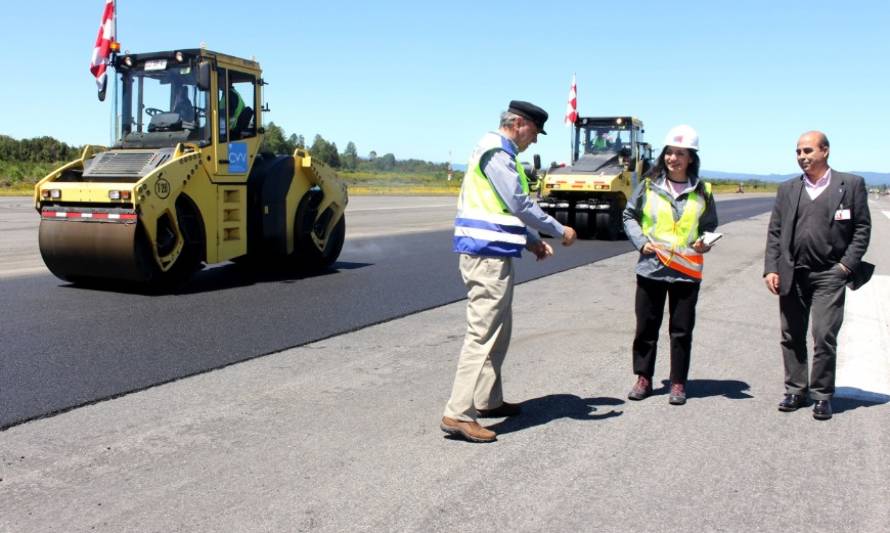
673 238
484 225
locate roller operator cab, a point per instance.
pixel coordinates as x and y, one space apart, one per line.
184 184
608 159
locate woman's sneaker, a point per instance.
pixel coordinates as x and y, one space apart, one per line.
678 394
642 389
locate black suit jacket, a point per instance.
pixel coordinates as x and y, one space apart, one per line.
849 238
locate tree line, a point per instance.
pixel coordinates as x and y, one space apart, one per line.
36 150
277 142
25 159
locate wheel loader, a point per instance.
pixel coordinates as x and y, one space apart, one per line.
608 159
184 184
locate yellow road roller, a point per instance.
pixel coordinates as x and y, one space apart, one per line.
185 184
608 159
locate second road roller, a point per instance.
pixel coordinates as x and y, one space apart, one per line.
185 184
608 159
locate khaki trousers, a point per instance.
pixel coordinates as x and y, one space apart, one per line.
477 383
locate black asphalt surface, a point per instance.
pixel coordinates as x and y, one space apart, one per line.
63 346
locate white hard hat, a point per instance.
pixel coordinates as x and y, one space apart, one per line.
682 136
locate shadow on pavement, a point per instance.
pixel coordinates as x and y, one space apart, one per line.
849 398
705 388
539 411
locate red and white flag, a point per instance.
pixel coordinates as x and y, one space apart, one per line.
102 50
572 105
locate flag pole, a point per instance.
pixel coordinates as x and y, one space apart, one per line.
573 133
114 106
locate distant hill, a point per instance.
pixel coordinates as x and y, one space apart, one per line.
742 176
875 178
871 178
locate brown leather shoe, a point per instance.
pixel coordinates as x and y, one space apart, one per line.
470 431
505 409
642 389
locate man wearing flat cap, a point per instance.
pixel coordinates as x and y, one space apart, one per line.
496 219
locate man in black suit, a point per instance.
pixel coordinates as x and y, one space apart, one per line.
818 232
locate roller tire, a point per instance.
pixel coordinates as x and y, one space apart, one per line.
306 256
190 259
310 259
584 224
607 225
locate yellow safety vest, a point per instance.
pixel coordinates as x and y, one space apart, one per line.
484 225
673 238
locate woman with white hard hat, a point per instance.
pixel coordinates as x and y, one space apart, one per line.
665 218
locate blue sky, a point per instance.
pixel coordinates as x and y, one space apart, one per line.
426 80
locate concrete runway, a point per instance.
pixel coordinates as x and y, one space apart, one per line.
342 434
67 346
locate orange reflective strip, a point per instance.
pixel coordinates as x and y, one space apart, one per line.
691 265
693 258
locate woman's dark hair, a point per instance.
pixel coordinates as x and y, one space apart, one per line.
660 168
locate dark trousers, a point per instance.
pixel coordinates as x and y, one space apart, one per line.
822 294
650 297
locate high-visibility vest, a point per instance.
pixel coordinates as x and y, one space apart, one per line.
673 238
236 107
484 225
600 143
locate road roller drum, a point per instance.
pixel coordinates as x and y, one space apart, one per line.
74 250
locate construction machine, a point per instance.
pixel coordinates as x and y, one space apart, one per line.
608 159
185 184
533 173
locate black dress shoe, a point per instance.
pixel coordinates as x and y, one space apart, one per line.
822 410
792 402
503 410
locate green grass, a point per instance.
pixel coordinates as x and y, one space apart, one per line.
728 186
17 191
18 179
370 183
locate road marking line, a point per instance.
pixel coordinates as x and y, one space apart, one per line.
20 272
403 207
886 213
863 358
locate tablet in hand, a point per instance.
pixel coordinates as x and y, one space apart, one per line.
708 238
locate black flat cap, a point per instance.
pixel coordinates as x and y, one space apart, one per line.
531 112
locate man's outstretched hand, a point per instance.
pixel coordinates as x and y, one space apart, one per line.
541 249
569 236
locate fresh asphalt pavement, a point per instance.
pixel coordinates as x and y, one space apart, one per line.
66 346
342 434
